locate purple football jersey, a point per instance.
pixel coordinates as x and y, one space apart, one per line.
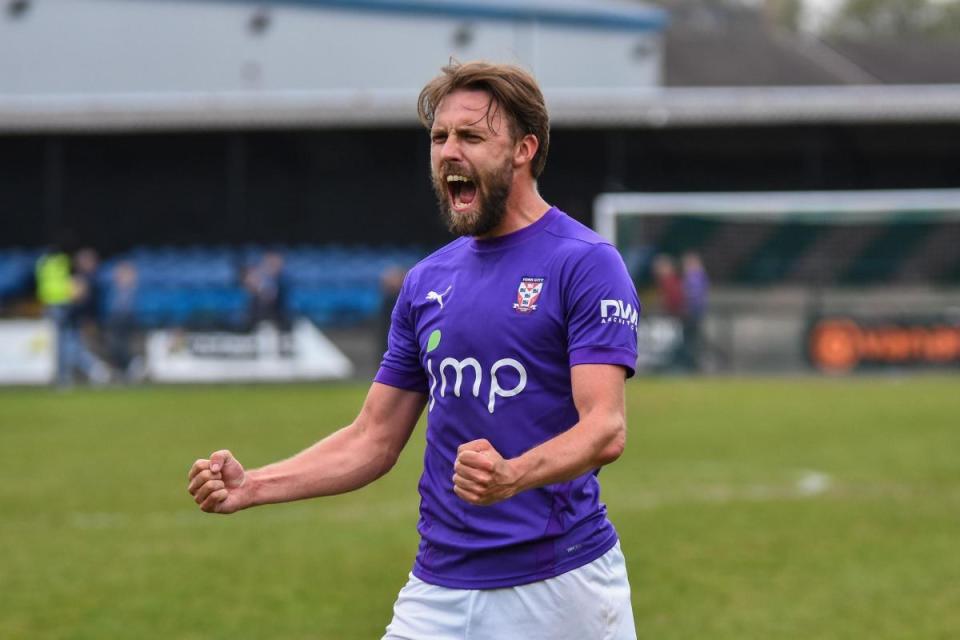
489 330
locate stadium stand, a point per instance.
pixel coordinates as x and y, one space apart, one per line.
882 256
769 264
731 245
200 287
336 286
932 257
16 273
806 254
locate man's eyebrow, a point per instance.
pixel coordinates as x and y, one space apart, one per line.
472 129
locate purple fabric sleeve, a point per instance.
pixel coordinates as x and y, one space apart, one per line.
605 355
392 378
602 311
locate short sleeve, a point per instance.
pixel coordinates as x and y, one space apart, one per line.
400 366
602 310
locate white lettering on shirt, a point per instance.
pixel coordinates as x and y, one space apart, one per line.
496 390
622 313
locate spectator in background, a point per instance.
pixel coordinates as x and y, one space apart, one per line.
669 286
263 281
83 318
696 289
84 310
54 290
121 322
670 294
62 294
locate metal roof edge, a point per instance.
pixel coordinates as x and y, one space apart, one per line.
659 107
640 18
631 108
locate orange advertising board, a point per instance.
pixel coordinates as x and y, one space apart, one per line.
841 344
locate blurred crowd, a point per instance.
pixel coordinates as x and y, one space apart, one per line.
68 289
98 336
683 293
98 310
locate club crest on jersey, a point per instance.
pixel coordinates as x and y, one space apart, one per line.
527 294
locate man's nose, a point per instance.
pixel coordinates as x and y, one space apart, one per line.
450 149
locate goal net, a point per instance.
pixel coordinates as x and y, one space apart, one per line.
778 260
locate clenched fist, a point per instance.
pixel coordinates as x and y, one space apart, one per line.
215 482
481 476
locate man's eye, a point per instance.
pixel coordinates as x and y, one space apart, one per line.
438 138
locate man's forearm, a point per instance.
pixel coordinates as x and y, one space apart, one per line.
346 460
589 444
483 477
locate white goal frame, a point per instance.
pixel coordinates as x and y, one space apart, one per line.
831 207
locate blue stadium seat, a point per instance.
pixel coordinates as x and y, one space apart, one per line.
16 272
201 286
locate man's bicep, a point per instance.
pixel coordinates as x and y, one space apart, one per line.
598 387
389 414
598 393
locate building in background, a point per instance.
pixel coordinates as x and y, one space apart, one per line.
162 125
269 122
355 52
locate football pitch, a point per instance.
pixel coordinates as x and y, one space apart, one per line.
792 508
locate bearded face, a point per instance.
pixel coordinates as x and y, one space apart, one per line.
472 156
472 202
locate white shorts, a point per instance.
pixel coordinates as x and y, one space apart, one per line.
589 603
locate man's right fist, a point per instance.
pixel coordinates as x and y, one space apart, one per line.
214 482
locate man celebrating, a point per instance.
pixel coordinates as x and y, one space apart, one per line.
517 338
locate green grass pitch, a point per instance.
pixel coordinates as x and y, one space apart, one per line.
795 508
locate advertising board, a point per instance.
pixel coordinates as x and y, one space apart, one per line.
27 352
266 354
839 344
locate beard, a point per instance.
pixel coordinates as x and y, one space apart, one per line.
493 189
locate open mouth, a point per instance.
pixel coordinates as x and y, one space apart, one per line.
462 191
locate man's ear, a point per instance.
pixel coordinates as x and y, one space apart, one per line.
525 149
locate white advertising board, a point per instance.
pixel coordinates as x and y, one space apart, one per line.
264 355
27 352
658 338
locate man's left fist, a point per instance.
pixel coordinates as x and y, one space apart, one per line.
481 476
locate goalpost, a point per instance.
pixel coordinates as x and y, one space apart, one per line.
776 259
835 207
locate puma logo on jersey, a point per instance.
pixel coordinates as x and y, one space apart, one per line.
438 297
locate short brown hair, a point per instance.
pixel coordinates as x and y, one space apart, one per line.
511 88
